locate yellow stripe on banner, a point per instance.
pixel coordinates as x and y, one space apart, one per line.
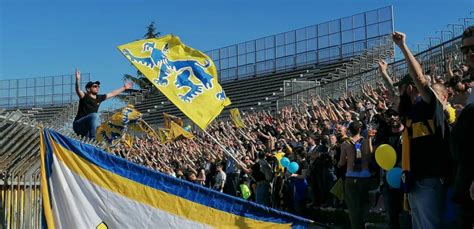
48 213
153 197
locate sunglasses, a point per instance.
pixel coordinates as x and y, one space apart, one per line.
465 49
97 86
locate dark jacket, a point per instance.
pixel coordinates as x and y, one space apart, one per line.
463 154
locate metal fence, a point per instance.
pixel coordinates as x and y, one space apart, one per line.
291 89
340 81
316 44
40 91
436 53
21 202
19 168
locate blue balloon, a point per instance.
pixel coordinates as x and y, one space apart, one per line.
394 177
293 167
285 162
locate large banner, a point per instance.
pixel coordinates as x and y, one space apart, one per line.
85 187
187 77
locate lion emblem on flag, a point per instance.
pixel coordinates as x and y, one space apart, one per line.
184 70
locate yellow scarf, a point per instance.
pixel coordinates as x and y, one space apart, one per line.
406 164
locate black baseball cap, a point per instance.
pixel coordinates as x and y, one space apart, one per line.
404 81
90 83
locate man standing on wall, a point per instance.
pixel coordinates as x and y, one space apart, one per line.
87 118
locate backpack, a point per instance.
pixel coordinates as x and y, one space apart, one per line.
357 167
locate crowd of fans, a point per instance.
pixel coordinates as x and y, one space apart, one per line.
426 117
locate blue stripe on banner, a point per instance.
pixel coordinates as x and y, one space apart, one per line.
48 155
48 161
172 185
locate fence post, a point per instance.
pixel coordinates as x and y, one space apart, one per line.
345 86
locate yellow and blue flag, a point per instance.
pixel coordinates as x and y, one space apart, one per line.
186 76
114 128
85 187
177 131
171 118
163 135
236 118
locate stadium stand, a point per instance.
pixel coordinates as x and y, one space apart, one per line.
49 114
249 93
19 138
243 93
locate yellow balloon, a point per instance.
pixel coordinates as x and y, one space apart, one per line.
385 156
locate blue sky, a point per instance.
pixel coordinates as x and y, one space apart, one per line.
43 38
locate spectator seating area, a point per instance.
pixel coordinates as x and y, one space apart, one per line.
47 114
263 91
244 93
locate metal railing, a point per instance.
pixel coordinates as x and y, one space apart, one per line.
315 44
344 81
352 81
341 80
21 203
40 91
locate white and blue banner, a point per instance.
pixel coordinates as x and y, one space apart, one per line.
85 187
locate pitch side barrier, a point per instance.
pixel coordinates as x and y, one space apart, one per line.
20 194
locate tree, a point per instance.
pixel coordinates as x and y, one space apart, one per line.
151 32
140 80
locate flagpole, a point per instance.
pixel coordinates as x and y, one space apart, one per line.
149 127
225 150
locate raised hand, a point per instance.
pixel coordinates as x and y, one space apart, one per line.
433 69
382 66
314 102
128 85
78 74
399 38
450 59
